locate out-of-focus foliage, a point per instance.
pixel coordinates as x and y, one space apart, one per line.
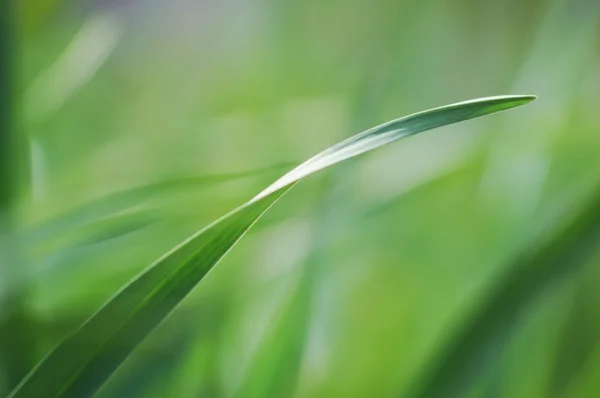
351 286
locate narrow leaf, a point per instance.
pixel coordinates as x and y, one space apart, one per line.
83 361
123 201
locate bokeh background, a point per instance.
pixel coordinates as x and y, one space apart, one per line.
139 122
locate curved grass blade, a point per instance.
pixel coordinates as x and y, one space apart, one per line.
83 361
475 345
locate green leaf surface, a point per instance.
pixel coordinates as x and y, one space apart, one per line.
79 365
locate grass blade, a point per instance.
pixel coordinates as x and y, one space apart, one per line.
83 361
122 201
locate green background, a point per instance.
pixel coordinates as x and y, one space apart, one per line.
139 122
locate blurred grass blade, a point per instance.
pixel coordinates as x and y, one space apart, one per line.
477 342
122 201
83 361
121 213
